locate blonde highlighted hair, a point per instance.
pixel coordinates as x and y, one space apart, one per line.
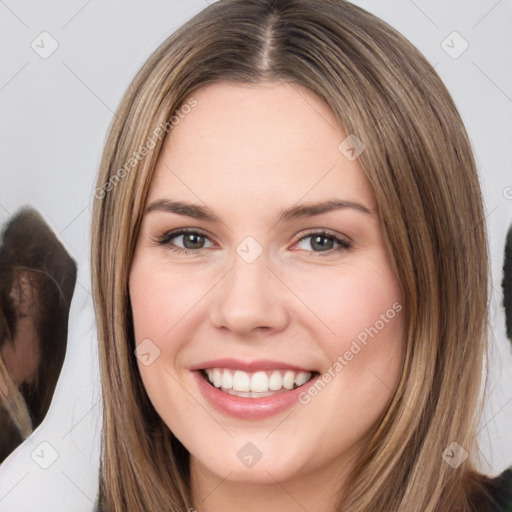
419 162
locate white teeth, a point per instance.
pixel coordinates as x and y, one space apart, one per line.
275 381
227 380
302 378
217 378
257 384
289 380
250 394
241 381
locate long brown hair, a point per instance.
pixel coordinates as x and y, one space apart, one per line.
419 162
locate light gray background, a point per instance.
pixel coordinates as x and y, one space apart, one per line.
54 117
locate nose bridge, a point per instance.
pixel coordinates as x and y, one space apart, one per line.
248 296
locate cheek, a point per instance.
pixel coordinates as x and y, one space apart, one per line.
164 303
161 298
159 303
365 310
353 302
361 333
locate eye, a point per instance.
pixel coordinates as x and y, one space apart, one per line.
184 241
323 242
187 241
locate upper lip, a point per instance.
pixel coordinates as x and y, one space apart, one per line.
249 366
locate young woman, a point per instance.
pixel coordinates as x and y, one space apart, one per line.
290 273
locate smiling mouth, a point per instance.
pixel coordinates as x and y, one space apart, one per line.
256 384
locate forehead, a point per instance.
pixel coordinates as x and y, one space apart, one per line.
241 143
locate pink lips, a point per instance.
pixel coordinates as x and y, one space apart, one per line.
248 408
246 366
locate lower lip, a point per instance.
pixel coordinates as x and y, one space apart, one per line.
249 408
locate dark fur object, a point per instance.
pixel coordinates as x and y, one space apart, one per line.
507 283
29 247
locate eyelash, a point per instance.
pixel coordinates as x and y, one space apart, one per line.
343 245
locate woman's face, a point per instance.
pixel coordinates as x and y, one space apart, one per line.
282 275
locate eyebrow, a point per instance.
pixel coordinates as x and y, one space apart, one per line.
197 211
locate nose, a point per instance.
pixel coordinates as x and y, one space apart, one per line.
249 298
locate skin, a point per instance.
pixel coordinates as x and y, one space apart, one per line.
248 152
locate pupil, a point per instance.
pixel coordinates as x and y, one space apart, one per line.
192 241
317 240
